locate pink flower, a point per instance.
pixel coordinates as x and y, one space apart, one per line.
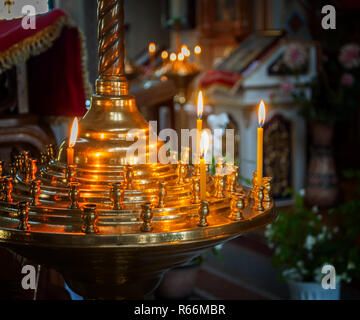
350 56
295 56
347 79
287 87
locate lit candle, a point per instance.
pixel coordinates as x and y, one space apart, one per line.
152 50
72 141
200 108
260 134
204 148
180 57
197 51
185 51
164 56
173 57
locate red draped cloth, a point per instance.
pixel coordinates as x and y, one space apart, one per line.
57 74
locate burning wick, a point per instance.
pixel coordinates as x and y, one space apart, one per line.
72 141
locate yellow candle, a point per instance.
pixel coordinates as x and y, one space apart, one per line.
204 147
202 179
70 155
72 140
260 142
200 107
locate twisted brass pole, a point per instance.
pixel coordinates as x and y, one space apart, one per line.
112 80
111 38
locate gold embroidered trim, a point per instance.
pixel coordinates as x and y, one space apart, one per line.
40 42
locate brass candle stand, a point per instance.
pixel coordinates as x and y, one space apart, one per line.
113 228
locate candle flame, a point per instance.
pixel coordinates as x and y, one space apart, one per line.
197 49
173 57
74 132
200 104
152 47
180 57
204 144
261 113
185 51
164 55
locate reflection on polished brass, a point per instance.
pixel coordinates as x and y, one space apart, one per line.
196 189
2 187
2 168
74 195
203 213
237 206
23 215
162 194
146 217
267 181
35 192
107 253
117 196
90 219
70 173
7 189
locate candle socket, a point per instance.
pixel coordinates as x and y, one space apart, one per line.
196 190
162 194
117 196
267 182
219 181
203 213
18 163
74 195
90 219
35 192
13 170
50 152
196 172
146 217
231 180
30 170
181 171
259 198
7 189
70 173
237 205
23 215
24 156
219 166
254 183
129 174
